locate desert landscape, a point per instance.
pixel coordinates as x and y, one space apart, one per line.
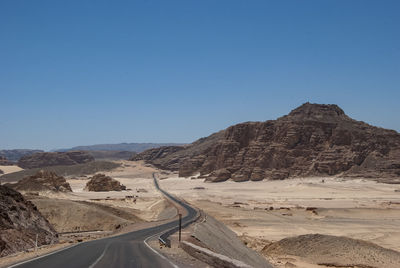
314 188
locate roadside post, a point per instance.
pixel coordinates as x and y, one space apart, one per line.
180 226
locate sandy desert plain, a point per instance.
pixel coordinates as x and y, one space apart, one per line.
267 211
263 212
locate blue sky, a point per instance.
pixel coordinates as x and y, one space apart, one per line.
88 72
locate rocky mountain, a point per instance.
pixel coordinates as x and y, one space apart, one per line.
313 139
42 181
130 147
5 162
103 183
15 155
39 160
20 221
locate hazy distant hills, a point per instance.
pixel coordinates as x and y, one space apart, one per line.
15 155
128 147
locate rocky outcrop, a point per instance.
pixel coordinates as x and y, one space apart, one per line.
5 162
313 139
152 155
20 222
103 183
40 160
16 154
42 181
334 251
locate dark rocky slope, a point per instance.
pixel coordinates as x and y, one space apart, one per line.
20 221
313 139
40 160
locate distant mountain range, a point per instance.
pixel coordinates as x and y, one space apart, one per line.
129 147
16 154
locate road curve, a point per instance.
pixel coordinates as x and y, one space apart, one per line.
126 250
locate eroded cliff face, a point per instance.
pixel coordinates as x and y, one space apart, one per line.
20 221
314 139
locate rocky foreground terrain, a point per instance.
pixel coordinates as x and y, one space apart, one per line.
42 181
20 221
103 183
313 139
39 160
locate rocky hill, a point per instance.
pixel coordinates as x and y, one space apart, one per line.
39 160
335 251
20 221
42 181
313 139
103 183
16 154
5 162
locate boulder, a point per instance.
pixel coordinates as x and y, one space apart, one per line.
219 175
103 183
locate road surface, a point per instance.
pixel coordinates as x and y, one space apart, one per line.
126 250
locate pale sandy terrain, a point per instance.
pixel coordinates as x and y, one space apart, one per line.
137 177
360 209
10 169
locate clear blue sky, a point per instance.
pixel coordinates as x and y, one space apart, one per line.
87 72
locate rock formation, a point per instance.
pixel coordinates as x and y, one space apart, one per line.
314 139
4 161
42 181
334 251
20 222
40 160
103 183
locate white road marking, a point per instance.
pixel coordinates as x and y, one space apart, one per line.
99 258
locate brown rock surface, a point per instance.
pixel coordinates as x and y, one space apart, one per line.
43 180
20 222
103 183
39 160
313 139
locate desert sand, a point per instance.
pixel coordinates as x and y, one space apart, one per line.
10 169
267 211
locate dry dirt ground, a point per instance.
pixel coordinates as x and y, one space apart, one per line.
268 211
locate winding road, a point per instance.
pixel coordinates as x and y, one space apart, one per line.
126 250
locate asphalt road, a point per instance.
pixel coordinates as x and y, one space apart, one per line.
127 250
